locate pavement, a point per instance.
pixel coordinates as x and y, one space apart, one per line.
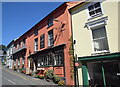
12 78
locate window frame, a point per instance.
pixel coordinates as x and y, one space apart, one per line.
99 38
36 32
46 59
42 41
50 38
50 22
35 45
59 57
95 15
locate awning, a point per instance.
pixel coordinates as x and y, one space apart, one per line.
50 48
111 55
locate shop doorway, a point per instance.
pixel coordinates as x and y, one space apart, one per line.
104 73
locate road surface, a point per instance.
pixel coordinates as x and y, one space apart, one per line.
10 77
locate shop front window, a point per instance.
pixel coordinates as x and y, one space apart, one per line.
104 73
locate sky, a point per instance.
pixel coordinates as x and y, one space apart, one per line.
19 17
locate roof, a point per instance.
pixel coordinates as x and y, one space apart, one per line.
80 3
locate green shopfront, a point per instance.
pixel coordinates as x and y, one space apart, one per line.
101 71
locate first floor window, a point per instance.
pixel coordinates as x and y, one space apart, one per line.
42 41
50 38
100 39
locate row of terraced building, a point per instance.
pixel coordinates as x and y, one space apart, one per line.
78 41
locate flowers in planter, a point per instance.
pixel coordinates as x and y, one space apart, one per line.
56 79
61 82
23 70
49 74
36 76
41 77
30 74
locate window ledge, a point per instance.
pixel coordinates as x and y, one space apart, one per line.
100 52
99 15
50 46
58 65
45 66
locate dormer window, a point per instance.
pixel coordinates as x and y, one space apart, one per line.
95 9
50 21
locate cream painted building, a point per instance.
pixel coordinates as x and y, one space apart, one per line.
96 32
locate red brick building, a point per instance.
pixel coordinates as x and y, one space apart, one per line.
47 45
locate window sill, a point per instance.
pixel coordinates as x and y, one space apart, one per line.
99 15
45 66
35 51
50 46
100 52
58 65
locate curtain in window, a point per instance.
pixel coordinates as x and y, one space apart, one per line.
100 39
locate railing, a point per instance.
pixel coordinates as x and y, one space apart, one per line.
20 48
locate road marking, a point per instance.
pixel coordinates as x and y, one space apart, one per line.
15 74
10 81
35 79
23 77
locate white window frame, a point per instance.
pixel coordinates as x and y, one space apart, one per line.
93 51
91 17
94 25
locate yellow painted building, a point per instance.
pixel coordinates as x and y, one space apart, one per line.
96 33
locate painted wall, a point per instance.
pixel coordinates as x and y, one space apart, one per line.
83 36
119 25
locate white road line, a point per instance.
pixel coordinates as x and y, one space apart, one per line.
10 81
